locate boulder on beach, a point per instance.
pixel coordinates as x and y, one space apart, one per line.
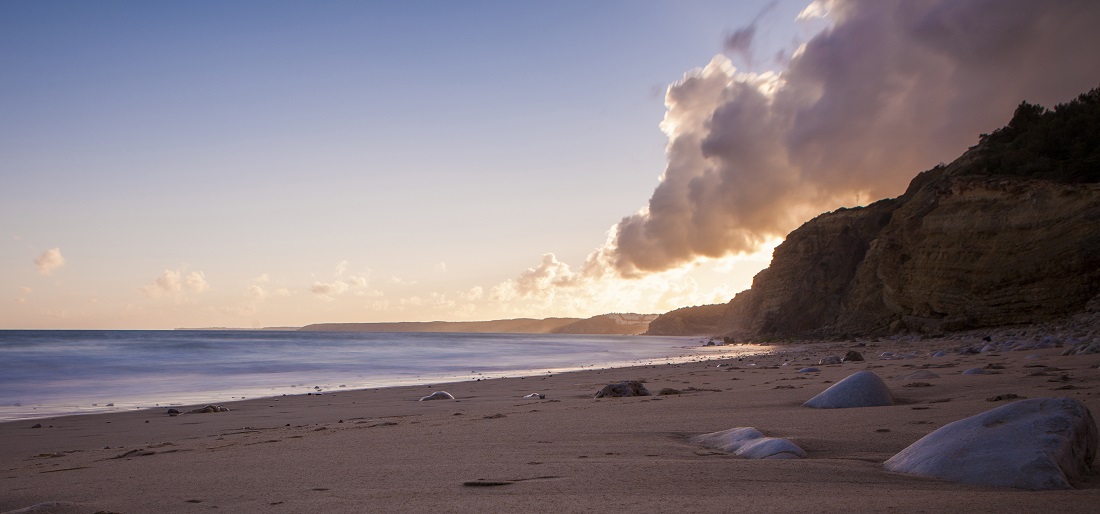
750 443
438 395
861 389
622 389
853 356
1042 443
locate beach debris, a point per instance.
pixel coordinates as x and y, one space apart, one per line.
58 507
208 409
623 389
861 389
438 395
974 371
1042 443
920 375
852 356
808 370
538 396
1003 397
917 384
668 390
831 359
750 443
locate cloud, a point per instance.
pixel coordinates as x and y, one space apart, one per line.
329 289
441 267
890 89
342 284
50 261
740 41
176 283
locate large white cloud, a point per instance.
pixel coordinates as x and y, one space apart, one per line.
891 88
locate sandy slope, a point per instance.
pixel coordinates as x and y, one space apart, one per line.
381 450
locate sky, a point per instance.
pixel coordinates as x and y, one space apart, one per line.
252 164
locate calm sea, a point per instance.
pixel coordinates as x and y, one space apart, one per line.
46 373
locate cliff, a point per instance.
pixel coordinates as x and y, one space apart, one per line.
1008 233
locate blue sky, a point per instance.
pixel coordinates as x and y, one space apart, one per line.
433 147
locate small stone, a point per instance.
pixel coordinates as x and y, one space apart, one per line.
438 395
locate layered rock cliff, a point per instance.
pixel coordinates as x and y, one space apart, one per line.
1008 233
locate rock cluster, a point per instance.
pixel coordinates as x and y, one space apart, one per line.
750 443
621 389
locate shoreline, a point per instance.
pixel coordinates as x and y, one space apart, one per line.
693 349
381 449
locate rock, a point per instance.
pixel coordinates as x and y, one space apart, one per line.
862 389
438 395
1042 443
36 425
831 359
173 412
853 356
974 371
939 354
750 443
1003 397
535 396
667 391
808 370
622 389
208 409
921 374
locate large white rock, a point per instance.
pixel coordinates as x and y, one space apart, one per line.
1042 443
862 389
750 443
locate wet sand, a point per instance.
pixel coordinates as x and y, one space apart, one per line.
491 450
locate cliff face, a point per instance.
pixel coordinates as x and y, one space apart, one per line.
1008 233
971 251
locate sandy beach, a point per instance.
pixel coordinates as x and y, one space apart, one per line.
491 450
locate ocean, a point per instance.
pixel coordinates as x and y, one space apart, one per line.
46 373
